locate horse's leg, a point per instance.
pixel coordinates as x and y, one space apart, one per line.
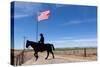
52 54
36 55
47 54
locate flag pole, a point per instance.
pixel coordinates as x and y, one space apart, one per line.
37 29
44 15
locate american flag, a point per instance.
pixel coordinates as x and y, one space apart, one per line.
44 15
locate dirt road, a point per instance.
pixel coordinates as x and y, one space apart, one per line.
59 59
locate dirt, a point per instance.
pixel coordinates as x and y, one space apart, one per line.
66 56
59 59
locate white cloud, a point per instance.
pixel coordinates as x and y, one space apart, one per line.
59 5
91 39
24 9
20 15
73 22
92 42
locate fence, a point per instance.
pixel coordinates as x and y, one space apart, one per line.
17 59
77 51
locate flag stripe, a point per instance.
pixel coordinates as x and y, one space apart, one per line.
44 15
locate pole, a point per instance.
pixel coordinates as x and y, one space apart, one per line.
37 31
23 51
24 42
84 52
37 27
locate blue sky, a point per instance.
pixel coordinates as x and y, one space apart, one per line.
67 26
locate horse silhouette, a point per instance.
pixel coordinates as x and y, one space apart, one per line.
38 47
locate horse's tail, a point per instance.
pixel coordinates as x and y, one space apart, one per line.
52 46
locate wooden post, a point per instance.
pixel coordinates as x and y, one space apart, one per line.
84 52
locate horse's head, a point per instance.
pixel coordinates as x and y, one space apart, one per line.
27 43
30 43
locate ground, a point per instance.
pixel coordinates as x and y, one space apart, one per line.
61 56
59 59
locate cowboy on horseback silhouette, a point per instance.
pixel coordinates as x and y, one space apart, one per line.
40 47
41 39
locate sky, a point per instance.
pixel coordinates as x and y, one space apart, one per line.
67 26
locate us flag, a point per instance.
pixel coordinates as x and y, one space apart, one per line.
44 15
